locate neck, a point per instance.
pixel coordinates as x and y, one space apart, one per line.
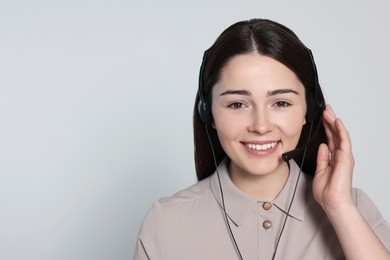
263 187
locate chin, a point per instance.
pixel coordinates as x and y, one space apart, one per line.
260 168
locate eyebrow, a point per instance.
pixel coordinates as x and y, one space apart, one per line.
281 91
237 92
269 93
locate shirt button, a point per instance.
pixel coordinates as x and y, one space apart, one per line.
267 224
267 206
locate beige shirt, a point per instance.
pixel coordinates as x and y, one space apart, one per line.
191 224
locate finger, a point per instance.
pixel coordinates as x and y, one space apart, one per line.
344 136
338 129
339 133
323 158
329 134
343 155
328 122
331 129
330 117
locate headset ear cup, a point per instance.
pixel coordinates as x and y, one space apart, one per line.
321 107
201 110
204 111
314 109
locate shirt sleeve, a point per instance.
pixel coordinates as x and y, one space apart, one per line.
149 244
373 217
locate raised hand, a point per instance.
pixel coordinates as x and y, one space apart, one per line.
332 184
332 188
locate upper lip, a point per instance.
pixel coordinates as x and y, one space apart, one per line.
259 142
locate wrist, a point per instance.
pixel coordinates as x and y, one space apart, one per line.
340 210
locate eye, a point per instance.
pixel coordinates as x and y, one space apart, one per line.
236 105
282 104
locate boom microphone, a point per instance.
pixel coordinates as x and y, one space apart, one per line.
293 153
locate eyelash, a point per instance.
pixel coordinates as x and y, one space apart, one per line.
277 104
235 104
281 104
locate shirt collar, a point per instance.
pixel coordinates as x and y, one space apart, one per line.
238 204
283 200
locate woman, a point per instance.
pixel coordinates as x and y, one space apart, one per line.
282 163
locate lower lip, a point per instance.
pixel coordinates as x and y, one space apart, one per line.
262 152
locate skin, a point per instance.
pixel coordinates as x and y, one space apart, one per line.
258 101
248 106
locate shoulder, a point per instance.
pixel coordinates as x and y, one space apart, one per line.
181 203
187 196
171 215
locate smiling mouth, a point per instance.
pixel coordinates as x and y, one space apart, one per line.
261 147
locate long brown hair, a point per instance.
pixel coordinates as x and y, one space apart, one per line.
266 38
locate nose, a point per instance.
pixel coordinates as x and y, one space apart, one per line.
261 122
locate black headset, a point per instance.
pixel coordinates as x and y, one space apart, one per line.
315 106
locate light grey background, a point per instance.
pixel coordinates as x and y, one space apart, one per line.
96 102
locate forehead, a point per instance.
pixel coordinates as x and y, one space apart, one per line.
255 70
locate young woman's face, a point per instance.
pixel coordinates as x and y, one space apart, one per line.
259 109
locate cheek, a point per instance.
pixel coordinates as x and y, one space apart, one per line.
226 128
292 125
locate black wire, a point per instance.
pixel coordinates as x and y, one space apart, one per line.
222 198
293 196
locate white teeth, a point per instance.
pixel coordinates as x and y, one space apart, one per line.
261 147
